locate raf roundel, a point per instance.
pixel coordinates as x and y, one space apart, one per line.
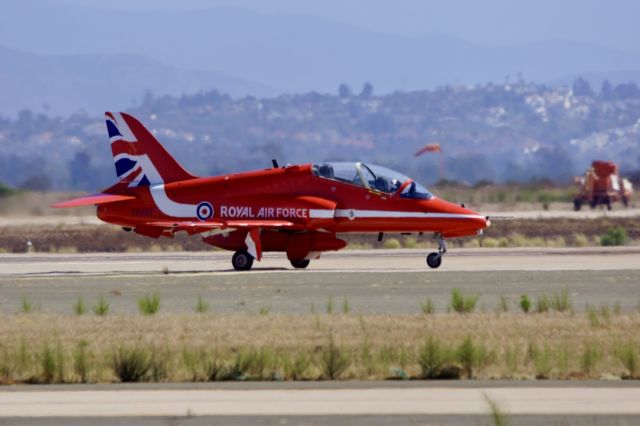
204 211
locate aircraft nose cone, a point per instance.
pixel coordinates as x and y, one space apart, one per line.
479 222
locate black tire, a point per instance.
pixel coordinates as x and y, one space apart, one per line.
577 204
242 261
434 260
299 264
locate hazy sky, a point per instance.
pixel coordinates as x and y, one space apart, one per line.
612 23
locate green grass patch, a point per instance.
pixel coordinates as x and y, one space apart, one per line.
149 304
461 303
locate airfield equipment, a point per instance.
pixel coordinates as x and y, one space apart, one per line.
602 185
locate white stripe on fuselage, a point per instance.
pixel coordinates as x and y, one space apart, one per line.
321 214
390 214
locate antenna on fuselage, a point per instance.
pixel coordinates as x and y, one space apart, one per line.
275 163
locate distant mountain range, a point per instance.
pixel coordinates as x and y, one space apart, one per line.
64 84
248 52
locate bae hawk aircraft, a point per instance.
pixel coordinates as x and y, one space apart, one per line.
296 209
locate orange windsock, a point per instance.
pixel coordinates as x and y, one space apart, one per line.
430 147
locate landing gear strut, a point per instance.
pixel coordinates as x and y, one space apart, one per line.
242 261
434 259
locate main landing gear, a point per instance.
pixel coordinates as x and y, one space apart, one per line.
434 259
242 261
300 264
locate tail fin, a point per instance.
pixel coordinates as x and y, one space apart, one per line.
138 156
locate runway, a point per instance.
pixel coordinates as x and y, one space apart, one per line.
373 281
376 281
309 404
407 260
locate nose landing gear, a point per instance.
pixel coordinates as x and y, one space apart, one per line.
434 259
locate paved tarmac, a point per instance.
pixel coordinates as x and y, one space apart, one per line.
381 281
341 404
378 281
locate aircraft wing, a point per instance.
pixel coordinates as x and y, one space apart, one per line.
157 228
95 199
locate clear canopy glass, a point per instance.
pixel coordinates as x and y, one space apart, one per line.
373 177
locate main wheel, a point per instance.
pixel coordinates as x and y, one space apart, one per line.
434 260
300 264
242 261
577 204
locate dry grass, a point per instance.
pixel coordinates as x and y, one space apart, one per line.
382 351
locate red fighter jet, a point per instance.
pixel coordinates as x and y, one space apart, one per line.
296 209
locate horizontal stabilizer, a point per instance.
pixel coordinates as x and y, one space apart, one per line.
96 199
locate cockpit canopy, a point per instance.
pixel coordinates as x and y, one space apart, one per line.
372 177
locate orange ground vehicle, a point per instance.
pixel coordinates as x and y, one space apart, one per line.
603 185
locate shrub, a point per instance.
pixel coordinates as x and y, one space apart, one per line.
542 361
525 303
202 307
52 364
592 314
461 303
432 356
580 240
511 358
79 308
471 356
489 242
503 304
47 364
26 305
617 308
427 307
158 365
564 354
345 306
590 358
410 242
392 243
264 311
261 363
149 304
561 302
295 367
81 361
335 360
605 312
542 303
615 236
330 305
628 356
192 361
131 364
497 415
101 307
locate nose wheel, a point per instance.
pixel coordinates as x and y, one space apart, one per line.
434 260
